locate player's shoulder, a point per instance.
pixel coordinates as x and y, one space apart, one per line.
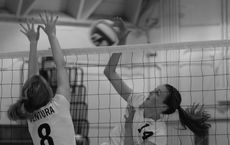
136 99
60 98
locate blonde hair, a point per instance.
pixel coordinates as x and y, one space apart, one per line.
35 94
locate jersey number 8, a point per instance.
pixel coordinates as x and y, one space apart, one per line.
45 136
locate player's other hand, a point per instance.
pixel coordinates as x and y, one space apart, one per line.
129 119
122 32
29 31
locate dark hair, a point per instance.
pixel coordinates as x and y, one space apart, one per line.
194 117
35 94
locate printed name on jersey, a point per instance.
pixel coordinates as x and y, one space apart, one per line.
42 114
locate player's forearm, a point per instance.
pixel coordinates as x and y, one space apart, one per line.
112 64
128 137
33 62
57 52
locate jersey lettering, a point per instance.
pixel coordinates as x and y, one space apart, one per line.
146 134
140 129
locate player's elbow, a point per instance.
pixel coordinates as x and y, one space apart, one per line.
106 72
109 72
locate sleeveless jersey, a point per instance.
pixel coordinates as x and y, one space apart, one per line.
143 128
52 124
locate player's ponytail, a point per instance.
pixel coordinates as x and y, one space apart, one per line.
17 112
35 94
195 118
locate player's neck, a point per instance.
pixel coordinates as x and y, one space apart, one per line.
150 113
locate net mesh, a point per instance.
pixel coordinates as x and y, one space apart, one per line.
199 70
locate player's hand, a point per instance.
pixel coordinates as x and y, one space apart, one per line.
122 30
50 24
30 33
129 119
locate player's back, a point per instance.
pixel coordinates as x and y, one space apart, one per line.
52 124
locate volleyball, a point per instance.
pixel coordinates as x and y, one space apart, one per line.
103 33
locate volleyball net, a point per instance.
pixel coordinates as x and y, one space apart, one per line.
199 70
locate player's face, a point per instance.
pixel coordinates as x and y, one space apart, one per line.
156 97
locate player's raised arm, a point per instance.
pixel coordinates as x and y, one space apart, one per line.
62 76
110 70
33 37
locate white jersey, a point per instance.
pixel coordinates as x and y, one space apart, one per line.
52 124
143 128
